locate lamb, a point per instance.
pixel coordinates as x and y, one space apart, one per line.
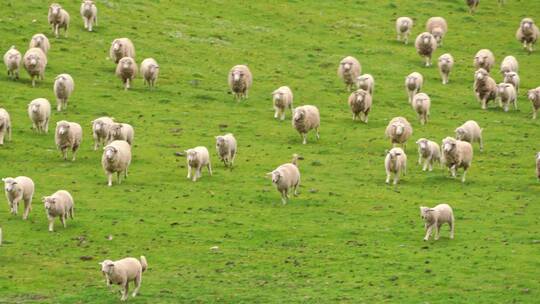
39 111
12 60
538 165
484 59
5 125
470 132
360 103
426 45
435 217
512 78
120 131
40 41
63 87
150 72
404 26
122 272
226 149
507 94
534 97
116 159
366 82
349 69
89 14
17 189
240 81
413 84
68 136
197 158
395 163
282 98
473 4
457 154
58 19
126 70
287 177
446 63
59 204
35 62
306 118
421 105
485 87
399 130
100 130
509 64
438 27
527 34
428 153
120 48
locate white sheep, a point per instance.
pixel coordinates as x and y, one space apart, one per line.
360 103
435 217
100 130
528 34
116 159
399 130
484 59
68 136
426 45
63 88
240 81
282 98
122 272
421 104
534 97
512 78
349 69
35 62
509 64
18 189
59 204
473 4
39 111
470 132
40 41
58 19
457 154
305 119
12 60
126 70
446 63
150 71
226 147
395 164
120 131
438 27
507 94
538 165
429 152
366 82
413 83
197 158
120 48
287 177
404 26
89 14
5 125
485 87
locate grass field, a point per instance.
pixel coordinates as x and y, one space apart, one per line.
348 237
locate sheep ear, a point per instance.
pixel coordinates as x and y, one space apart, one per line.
3 179
430 209
269 173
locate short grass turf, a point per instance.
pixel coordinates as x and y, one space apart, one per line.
348 237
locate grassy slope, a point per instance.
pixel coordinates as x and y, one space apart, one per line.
352 240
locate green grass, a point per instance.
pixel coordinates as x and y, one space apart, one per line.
348 237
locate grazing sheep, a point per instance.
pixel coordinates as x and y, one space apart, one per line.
527 34
484 59
5 125
120 48
282 98
428 153
534 97
126 70
58 19
404 26
306 118
399 130
485 87
89 14
59 204
360 103
100 130
413 83
120 131
226 149
240 81
470 132
473 4
538 165
122 272
150 72
116 159
63 87
513 79
68 136
395 163
509 64
438 27
197 158
17 189
426 45
446 63
12 60
35 62
457 154
40 41
349 69
39 111
507 94
435 217
287 177
421 105
366 82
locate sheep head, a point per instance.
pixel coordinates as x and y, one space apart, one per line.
237 75
62 127
399 128
425 212
276 176
107 266
220 141
449 144
299 115
481 74
422 144
9 184
49 202
55 9
110 152
34 107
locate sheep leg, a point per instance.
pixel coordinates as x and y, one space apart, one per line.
125 290
56 26
27 208
118 177
138 280
430 161
317 133
388 175
426 161
428 233
74 151
63 219
481 144
51 223
64 153
534 112
33 82
398 37
451 223
109 179
90 25
284 197
47 125
188 172
464 174
484 103
453 171
209 166
304 141
85 23
2 138
127 84
396 178
437 231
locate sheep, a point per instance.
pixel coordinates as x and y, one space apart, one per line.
426 45
534 97
59 204
470 132
306 118
63 87
39 111
226 149
507 94
438 27
120 48
100 130
35 62
58 19
17 189
150 71
126 70
528 34
282 98
421 105
509 64
538 165
404 26
68 136
435 217
5 125
349 69
122 272
197 158
485 87
395 163
89 14
40 41
287 177
360 103
473 5
399 130
120 131
457 154
413 84
428 153
12 60
240 81
512 78
446 63
484 59
366 82
116 159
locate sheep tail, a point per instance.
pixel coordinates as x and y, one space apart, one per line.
144 264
